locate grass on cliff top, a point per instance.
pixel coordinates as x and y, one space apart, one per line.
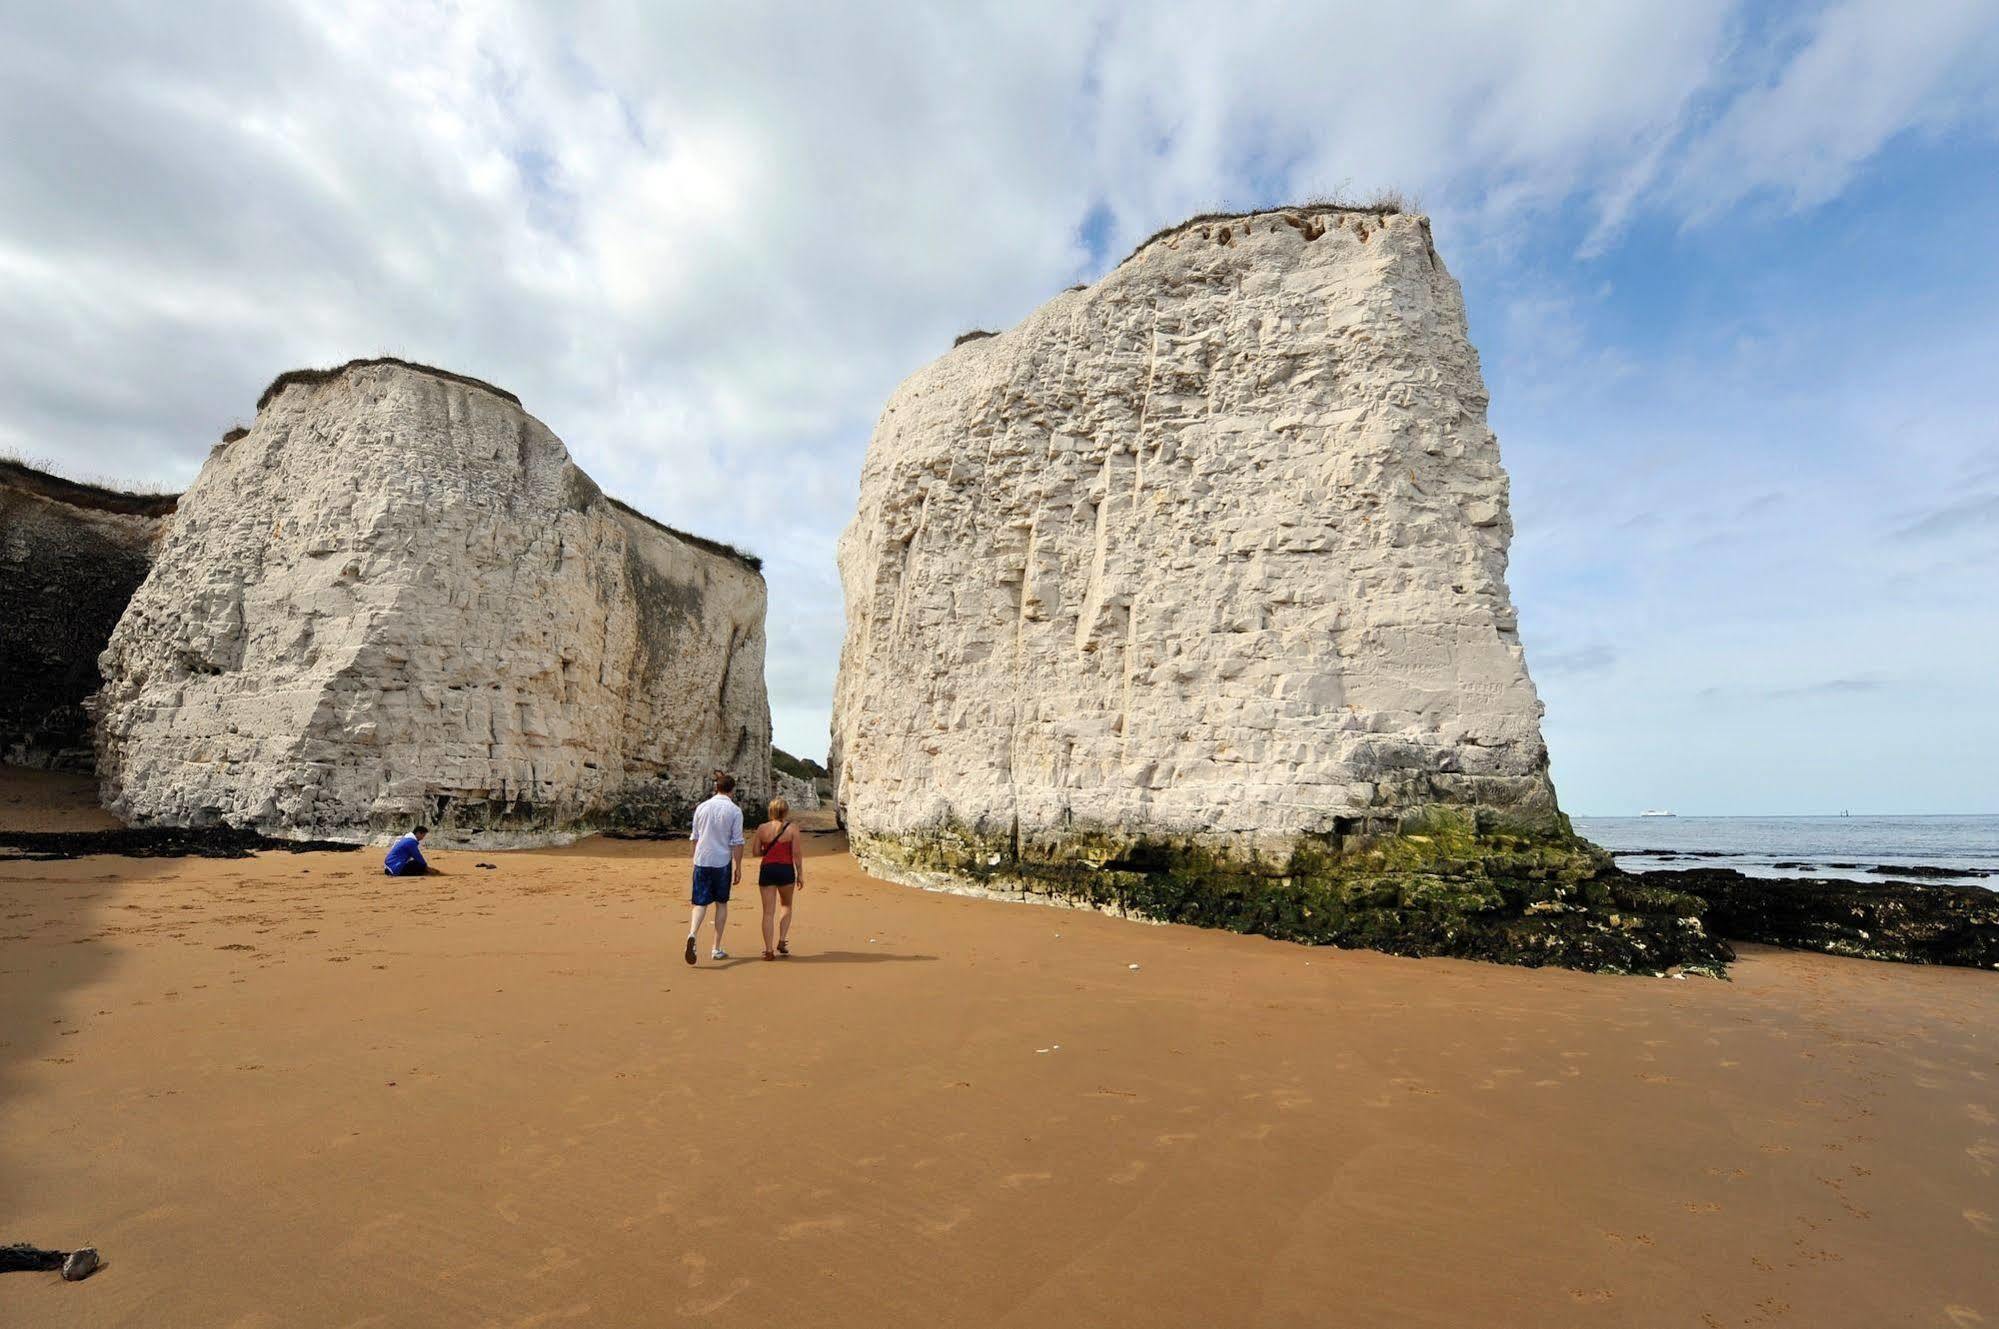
743 556
313 377
39 477
1381 203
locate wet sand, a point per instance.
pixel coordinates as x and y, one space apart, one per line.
51 801
288 1091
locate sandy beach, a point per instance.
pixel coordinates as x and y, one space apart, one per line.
285 1090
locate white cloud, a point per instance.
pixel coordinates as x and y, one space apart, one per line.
1865 72
703 242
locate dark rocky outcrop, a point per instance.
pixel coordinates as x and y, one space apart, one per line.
1442 886
71 556
153 842
1910 922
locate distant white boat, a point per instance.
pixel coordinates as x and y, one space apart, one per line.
1655 812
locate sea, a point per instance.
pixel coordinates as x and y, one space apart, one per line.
1850 847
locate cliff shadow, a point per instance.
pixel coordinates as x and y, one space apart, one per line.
56 930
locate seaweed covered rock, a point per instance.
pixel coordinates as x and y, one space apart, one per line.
396 598
1910 922
71 555
1441 888
1187 597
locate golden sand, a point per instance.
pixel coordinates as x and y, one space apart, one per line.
289 1091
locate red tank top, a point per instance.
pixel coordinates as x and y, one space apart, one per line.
779 850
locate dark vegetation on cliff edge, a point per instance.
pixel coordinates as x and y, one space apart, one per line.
1385 203
96 498
314 377
742 556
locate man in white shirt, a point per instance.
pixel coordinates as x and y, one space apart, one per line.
718 860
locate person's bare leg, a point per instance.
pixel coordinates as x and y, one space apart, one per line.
784 894
694 929
769 894
721 919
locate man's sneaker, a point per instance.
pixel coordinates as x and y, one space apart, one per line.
719 954
690 950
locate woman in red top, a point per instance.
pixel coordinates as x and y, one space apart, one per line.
783 872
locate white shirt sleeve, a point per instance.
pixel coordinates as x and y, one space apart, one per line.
736 836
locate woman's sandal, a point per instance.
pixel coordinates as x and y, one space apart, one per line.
770 955
784 948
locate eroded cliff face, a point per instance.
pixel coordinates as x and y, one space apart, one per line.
71 555
1197 576
395 599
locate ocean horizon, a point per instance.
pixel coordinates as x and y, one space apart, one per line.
1855 847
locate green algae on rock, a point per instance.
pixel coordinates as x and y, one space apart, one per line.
1446 888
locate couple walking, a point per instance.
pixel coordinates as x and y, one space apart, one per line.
718 867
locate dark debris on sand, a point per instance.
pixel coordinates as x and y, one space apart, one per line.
154 842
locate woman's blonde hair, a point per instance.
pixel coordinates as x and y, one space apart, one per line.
779 809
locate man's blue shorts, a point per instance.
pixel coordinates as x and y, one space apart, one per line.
711 885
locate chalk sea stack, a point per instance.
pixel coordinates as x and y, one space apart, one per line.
395 598
71 555
1186 598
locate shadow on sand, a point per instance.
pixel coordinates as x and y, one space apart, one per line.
737 961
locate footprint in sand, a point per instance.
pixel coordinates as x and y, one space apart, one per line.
1963 1315
1129 1173
807 1226
941 1226
1981 1221
662 1206
713 1304
374 1236
1014 1181
573 1312
554 1259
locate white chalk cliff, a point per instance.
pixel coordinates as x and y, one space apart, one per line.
1212 551
396 598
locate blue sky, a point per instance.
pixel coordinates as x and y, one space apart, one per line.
1729 267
